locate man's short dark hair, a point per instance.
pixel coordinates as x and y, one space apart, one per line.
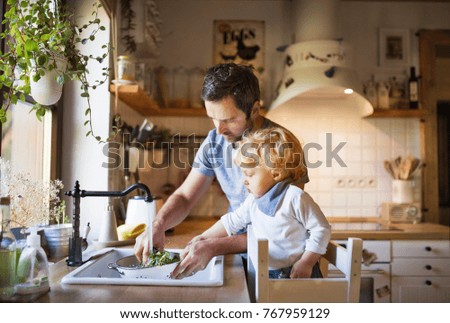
236 81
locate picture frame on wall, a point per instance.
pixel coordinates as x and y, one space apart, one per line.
240 42
393 47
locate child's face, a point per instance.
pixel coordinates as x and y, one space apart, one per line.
258 180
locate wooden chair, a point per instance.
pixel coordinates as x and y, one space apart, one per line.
322 290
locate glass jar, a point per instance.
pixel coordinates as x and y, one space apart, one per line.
196 76
7 252
125 68
180 88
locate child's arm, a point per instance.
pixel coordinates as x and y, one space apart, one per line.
304 266
216 231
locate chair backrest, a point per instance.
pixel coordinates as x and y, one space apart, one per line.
320 290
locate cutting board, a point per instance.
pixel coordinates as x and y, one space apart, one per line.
96 272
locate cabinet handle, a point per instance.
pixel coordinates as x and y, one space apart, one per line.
428 267
427 248
428 282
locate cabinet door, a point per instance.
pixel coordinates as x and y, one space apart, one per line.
420 289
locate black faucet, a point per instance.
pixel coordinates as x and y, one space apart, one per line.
76 242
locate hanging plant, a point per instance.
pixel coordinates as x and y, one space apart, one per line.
44 40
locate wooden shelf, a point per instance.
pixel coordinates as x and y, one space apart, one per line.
398 113
181 112
138 100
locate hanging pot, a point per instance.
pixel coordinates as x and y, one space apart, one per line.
47 91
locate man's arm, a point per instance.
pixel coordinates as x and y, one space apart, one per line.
173 212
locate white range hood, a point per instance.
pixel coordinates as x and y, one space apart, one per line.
318 72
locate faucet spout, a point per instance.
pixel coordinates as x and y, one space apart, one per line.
75 243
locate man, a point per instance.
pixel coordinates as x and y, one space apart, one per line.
232 101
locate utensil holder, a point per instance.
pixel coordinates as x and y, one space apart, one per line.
402 191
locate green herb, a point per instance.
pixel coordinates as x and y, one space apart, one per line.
161 258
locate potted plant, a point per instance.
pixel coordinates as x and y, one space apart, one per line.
44 43
37 203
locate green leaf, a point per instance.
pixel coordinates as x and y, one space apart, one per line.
84 95
41 60
31 45
88 133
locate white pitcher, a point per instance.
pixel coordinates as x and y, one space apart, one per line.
139 211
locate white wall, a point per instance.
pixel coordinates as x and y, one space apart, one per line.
82 156
187 41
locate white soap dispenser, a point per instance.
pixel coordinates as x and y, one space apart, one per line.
32 269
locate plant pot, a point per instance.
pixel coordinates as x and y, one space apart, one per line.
58 236
47 91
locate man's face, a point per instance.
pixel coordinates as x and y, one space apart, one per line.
229 121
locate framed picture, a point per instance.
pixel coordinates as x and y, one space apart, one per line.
240 42
393 47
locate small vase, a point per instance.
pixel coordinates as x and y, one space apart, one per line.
57 237
402 191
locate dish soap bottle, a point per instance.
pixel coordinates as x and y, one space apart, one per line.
7 252
32 269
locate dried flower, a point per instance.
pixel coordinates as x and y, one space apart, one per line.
33 202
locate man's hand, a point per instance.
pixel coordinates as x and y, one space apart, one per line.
195 257
142 245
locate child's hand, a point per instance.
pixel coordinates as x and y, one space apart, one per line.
301 269
304 266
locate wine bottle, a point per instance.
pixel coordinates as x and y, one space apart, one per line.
413 87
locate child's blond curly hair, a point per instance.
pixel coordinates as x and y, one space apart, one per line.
274 148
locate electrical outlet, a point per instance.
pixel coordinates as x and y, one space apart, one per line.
371 182
356 182
340 182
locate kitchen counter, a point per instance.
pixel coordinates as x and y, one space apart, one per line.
391 231
235 286
233 290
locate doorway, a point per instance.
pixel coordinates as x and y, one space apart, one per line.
434 57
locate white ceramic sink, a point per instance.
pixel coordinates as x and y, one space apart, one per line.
96 272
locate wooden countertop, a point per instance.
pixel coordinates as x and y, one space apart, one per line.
235 286
234 289
402 231
419 231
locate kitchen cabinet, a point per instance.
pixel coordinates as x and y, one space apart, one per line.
375 271
140 101
420 271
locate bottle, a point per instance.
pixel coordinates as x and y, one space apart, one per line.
7 252
413 87
125 69
32 270
383 95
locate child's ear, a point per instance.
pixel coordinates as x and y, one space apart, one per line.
277 175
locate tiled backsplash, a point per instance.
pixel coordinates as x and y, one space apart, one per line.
359 183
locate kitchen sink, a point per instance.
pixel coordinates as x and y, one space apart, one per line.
96 272
362 226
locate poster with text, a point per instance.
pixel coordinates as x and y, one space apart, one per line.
241 42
